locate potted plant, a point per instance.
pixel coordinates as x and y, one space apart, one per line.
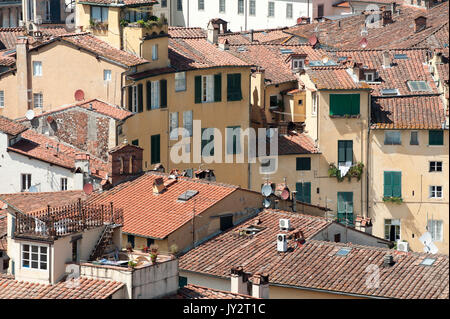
173 250
145 249
132 264
154 253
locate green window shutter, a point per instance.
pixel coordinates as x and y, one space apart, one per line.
341 151
218 87
335 104
388 184
355 104
198 89
396 184
155 149
140 98
237 87
307 192
149 95
234 92
349 151
344 104
436 137
163 93
299 189
130 98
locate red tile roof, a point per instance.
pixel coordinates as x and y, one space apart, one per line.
120 2
158 215
8 37
333 78
296 143
87 289
345 33
187 33
315 265
269 57
199 292
414 68
11 127
414 112
36 145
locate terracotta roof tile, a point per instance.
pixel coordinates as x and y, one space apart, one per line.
199 292
8 37
120 2
87 289
296 143
333 78
414 112
315 264
187 33
11 127
158 215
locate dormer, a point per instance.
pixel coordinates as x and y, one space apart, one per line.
297 61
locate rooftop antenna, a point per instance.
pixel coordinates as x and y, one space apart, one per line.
427 240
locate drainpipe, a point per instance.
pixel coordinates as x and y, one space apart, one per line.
188 13
368 156
249 125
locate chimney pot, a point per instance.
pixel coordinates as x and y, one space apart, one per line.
239 280
260 285
386 59
388 260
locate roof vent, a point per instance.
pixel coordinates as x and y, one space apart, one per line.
388 260
401 56
386 60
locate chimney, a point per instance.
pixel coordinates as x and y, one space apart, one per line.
158 186
294 201
213 32
260 286
388 260
386 17
239 280
23 84
223 44
251 35
420 23
124 161
386 59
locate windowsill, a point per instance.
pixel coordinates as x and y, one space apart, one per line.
346 116
435 145
184 90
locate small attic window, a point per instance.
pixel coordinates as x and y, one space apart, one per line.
298 64
343 251
187 195
415 86
389 92
400 56
428 262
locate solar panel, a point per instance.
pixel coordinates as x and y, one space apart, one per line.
343 251
187 195
418 86
428 261
242 49
286 51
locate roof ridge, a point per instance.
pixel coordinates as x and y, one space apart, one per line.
195 180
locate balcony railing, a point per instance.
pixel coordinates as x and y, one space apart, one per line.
54 222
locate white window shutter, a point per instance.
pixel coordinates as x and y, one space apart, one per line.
210 88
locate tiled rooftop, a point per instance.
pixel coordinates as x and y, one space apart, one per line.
346 33
11 127
333 78
187 33
87 289
199 292
315 264
158 215
415 112
296 143
120 2
8 37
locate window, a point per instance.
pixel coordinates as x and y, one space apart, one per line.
135 142
222 6
47 11
187 121
273 101
208 88
25 182
34 257
155 52
155 149
99 14
163 3
414 138
207 138
303 192
415 86
303 163
345 207
226 222
315 103
134 106
180 81
155 95
37 68
271 9
252 8
435 166
234 92
63 183
369 76
2 99
436 137
392 229
344 104
392 184
435 228
392 138
320 11
130 239
75 250
345 152
201 4
233 140
297 64
150 241
182 281
38 100
240 6
179 5
435 191
289 10
107 75
173 125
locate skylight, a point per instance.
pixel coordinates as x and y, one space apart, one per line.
241 49
187 195
400 56
286 51
343 251
415 86
428 261
388 92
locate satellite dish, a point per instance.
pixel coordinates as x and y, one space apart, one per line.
313 40
33 189
29 115
429 246
79 95
285 194
363 43
325 59
267 190
266 203
88 188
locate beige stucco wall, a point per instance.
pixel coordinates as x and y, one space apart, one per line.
413 162
8 84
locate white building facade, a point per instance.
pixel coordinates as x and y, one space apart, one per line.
10 13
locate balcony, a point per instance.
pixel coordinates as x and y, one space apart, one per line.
54 222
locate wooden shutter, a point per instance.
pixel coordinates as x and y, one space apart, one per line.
341 151
387 184
299 189
218 87
140 98
155 149
198 89
335 101
130 98
396 184
436 138
149 95
163 93
237 86
307 192
355 104
349 151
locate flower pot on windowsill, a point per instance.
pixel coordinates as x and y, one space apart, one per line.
392 199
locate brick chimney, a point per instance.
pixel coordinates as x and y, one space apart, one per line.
158 186
124 162
386 17
23 76
260 286
239 281
420 23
